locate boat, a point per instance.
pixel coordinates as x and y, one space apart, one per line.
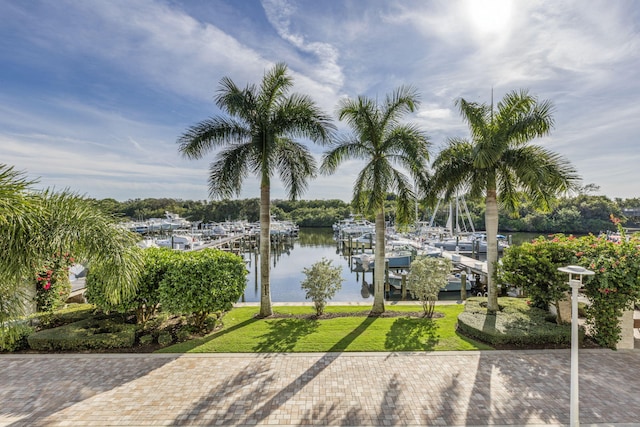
454 283
169 223
178 241
473 243
354 225
366 241
394 259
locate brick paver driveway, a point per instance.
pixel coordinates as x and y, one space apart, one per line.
447 388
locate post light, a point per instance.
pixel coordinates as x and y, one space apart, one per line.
575 284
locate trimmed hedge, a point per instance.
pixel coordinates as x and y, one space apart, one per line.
14 339
63 316
83 335
516 324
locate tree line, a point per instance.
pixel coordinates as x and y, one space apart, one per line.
581 214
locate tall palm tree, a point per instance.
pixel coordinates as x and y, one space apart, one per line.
35 225
500 163
383 143
256 137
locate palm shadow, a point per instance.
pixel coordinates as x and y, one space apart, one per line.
200 341
259 411
283 334
66 382
390 412
412 334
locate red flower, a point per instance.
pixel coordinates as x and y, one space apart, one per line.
579 253
47 286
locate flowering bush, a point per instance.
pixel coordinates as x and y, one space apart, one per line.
52 282
614 287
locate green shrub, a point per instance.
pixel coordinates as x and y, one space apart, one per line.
516 324
15 337
200 282
427 277
613 289
146 299
534 268
165 338
84 335
69 314
321 283
146 339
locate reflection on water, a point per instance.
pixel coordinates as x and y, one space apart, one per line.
288 260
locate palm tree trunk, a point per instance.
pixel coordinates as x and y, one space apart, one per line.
378 298
491 222
265 248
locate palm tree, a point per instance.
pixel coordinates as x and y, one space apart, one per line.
256 137
34 225
500 163
382 142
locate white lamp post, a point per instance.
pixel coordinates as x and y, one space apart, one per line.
574 270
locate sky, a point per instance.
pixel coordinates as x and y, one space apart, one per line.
94 94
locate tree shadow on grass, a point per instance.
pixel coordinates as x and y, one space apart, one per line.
192 344
412 334
283 334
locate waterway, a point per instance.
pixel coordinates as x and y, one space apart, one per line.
289 259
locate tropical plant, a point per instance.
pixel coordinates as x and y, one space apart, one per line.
382 142
145 301
35 225
500 163
427 277
52 282
256 137
197 283
614 287
533 267
321 283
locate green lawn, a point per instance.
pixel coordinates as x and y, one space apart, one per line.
244 333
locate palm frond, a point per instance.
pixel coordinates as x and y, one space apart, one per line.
349 147
275 84
230 168
477 116
201 138
453 168
299 116
403 100
295 165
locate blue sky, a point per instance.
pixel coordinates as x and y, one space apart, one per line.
94 94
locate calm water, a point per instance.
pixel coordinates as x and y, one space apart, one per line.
287 263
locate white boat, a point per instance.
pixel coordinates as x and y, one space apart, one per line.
395 259
454 284
355 225
177 242
169 223
366 240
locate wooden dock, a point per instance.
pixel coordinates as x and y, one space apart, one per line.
467 263
234 243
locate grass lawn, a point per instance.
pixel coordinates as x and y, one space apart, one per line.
243 333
